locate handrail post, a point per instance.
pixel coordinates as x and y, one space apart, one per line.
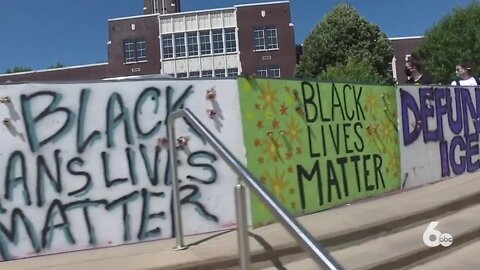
307 241
242 227
177 213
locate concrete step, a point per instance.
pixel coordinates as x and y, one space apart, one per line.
336 228
404 248
466 258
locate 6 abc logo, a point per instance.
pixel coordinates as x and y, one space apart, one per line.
434 238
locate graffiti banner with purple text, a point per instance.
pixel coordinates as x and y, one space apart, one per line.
439 129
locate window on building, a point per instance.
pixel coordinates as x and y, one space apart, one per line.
259 38
262 72
272 40
180 45
141 50
265 38
205 47
134 50
167 44
129 51
192 43
194 74
219 72
232 72
207 73
217 40
230 40
274 72
182 75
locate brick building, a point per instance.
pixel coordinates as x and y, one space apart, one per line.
252 38
402 47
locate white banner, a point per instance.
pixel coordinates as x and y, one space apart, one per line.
439 129
86 165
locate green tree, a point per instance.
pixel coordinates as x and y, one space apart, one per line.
18 69
342 36
57 65
454 39
354 71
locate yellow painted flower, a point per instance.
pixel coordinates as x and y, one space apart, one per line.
269 115
394 163
249 116
268 96
294 131
385 131
279 185
372 132
371 102
271 148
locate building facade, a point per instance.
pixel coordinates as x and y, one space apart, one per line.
267 39
74 73
161 6
402 47
133 46
251 39
200 44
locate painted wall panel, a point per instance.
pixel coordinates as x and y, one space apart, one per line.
318 145
85 165
439 129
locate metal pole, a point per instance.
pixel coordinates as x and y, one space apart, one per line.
242 227
177 213
307 241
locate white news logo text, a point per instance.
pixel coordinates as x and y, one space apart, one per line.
434 238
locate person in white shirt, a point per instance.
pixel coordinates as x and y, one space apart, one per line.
464 74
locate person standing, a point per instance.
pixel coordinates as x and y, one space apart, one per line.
464 76
415 71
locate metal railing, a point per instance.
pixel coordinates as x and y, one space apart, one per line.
306 240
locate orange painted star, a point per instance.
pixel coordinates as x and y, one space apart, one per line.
260 160
257 107
294 205
283 109
290 169
289 155
275 123
259 124
299 150
257 142
263 180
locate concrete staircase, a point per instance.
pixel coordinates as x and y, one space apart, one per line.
381 233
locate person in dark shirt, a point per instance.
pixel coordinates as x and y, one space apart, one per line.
415 71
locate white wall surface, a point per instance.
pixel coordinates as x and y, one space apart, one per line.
72 193
438 132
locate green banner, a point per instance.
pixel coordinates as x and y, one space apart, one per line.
319 145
